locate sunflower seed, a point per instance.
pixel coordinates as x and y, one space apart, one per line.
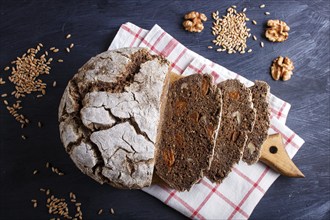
68 36
267 13
262 6
262 44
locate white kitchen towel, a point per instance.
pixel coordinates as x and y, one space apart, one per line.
241 191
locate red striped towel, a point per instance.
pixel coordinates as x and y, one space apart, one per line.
241 191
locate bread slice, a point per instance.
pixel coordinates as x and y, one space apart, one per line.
259 134
237 120
189 130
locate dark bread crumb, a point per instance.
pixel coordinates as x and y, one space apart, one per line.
259 134
238 116
188 134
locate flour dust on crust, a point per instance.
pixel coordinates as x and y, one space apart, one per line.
109 114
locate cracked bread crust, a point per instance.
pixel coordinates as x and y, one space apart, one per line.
237 121
260 91
189 130
109 114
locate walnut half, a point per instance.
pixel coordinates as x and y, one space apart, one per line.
194 21
282 68
277 31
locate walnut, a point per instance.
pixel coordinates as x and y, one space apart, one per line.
193 21
277 31
282 68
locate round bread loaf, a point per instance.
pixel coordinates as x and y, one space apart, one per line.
109 115
237 121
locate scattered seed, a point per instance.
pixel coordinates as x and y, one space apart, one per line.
267 13
249 51
52 48
233 6
230 30
262 6
35 204
262 44
254 22
39 96
54 84
210 47
56 50
5 102
39 124
112 211
4 95
100 212
46 53
67 50
244 10
35 172
47 191
68 36
71 45
6 68
23 137
60 60
42 190
254 37
41 45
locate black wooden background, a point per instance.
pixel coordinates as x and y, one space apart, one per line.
93 24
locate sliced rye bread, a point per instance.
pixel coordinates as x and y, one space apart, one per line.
189 130
237 120
259 134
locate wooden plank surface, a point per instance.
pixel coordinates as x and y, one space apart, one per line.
93 24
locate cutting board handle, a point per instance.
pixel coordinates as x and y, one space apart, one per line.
274 155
